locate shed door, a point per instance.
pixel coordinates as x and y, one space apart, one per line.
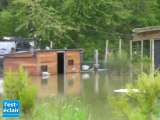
60 63
157 53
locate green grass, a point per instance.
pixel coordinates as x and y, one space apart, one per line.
60 109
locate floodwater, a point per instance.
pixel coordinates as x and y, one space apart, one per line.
95 89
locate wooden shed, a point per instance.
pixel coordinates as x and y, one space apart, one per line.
151 33
51 61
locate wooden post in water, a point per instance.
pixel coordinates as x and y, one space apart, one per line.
150 45
142 56
96 82
96 65
141 49
152 54
51 44
131 70
106 51
130 45
120 47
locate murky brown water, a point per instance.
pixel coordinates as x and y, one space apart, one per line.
95 89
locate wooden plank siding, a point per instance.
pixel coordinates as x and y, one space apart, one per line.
146 33
13 62
34 63
48 58
76 58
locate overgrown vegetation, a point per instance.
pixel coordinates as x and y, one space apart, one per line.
142 103
118 64
17 87
121 64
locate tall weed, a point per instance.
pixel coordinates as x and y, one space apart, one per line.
17 87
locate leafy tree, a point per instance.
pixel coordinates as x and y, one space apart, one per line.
93 22
7 23
79 24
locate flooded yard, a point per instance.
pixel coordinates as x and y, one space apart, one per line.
95 90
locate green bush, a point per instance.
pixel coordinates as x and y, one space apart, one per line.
60 109
17 87
141 105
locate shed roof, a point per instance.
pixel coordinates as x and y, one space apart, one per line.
146 29
146 33
30 53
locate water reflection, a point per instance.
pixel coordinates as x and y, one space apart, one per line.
96 82
45 87
76 83
57 84
95 89
72 85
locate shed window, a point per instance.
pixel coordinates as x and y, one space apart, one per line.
44 68
70 62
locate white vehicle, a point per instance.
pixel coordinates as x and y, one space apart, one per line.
7 47
15 44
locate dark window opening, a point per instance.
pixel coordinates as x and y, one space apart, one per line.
25 45
60 65
44 68
70 62
157 54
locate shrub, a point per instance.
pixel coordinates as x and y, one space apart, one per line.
142 105
17 87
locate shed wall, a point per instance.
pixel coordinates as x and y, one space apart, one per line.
13 63
73 61
49 59
43 61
